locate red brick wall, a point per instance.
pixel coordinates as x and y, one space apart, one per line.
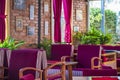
45 16
22 35
80 5
24 14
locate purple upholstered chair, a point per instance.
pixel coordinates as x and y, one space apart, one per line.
53 76
84 56
117 48
20 58
86 53
59 50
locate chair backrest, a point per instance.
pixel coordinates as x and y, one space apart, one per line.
111 47
59 50
25 58
86 53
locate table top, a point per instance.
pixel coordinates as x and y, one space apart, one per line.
71 63
66 63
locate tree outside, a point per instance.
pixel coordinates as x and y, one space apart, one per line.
110 20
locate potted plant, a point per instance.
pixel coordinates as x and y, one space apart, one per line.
93 36
46 45
11 43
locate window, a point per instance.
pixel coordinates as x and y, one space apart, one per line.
119 13
109 1
105 18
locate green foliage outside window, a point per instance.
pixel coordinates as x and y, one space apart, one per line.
110 20
95 17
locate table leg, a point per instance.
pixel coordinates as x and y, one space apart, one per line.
70 71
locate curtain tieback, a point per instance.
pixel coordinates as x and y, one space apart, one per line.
2 16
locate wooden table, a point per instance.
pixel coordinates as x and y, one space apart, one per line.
69 65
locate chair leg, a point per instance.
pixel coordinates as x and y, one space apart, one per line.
63 72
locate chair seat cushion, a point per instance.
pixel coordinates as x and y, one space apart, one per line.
106 67
96 72
27 77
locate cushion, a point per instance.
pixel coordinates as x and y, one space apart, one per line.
27 77
59 50
86 53
96 72
106 67
105 78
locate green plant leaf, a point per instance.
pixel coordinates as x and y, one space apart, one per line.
93 36
10 43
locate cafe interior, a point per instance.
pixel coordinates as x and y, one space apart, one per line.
58 40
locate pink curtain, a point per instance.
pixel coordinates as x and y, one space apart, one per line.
67 12
57 5
2 19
